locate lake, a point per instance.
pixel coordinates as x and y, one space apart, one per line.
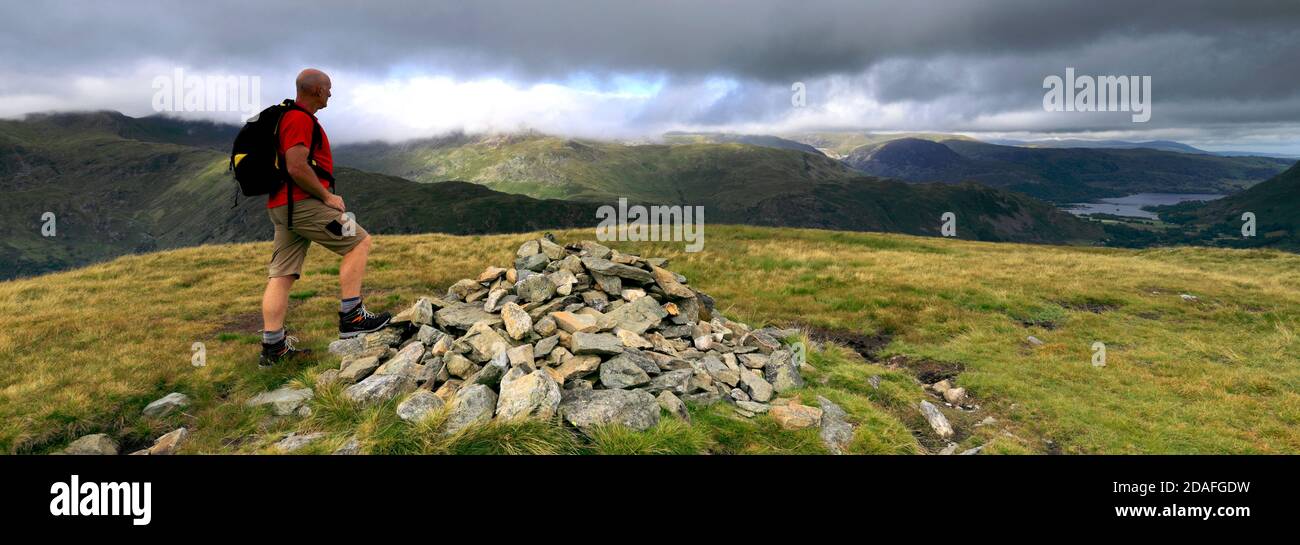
1131 205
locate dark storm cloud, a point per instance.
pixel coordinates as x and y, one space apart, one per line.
774 40
967 60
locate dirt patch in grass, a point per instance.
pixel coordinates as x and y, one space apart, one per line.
926 370
1045 324
1095 307
868 346
248 322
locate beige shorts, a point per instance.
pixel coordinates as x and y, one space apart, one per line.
310 220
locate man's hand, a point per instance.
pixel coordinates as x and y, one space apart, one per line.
335 202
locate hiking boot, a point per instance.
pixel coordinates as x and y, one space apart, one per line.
361 321
280 352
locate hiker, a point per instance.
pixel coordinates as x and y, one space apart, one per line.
317 216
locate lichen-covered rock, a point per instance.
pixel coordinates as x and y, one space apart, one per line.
532 395
481 342
379 388
463 315
622 372
166 404
474 405
674 405
283 402
516 320
836 432
938 422
295 441
418 405
602 344
406 362
421 313
796 416
781 371
169 443
347 347
758 389
95 443
535 288
678 382
639 315
634 409
358 369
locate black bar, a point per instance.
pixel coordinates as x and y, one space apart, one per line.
236 492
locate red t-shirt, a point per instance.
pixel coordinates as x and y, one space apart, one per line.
295 129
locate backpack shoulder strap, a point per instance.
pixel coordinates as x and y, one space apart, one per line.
316 139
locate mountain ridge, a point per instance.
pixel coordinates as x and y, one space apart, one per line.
1065 174
114 195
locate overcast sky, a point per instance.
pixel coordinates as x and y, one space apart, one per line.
1223 72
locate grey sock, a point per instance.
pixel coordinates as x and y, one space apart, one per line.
273 337
347 305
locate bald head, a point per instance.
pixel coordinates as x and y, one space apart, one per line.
313 88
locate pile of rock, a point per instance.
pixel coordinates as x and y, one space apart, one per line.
582 331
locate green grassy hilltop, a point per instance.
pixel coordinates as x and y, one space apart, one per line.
83 351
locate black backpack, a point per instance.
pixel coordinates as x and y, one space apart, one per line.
256 161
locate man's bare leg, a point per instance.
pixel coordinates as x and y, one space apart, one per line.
353 270
354 319
275 302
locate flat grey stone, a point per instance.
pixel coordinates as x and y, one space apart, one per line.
166 404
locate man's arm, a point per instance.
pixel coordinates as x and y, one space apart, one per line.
296 161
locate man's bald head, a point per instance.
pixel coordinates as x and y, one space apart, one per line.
313 88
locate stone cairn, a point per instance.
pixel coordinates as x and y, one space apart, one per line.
582 332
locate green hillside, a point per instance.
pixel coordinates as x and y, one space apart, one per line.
1063 175
840 144
551 167
762 140
1214 372
1275 203
736 183
870 204
113 195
